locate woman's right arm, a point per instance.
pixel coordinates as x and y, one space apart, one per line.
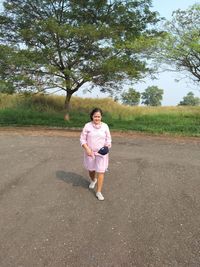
87 150
83 141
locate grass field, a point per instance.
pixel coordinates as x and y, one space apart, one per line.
20 110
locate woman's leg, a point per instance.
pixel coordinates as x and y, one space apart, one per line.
101 165
92 175
93 179
100 179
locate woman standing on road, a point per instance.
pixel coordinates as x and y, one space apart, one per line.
96 141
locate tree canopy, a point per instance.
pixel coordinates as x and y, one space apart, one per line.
65 44
181 48
152 96
131 98
6 79
190 100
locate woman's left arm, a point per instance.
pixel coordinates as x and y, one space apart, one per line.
108 139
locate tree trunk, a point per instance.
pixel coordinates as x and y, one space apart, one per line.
67 106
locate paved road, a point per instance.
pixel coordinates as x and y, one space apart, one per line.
49 217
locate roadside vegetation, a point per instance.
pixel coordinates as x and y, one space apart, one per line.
48 110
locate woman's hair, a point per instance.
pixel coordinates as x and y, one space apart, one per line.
94 111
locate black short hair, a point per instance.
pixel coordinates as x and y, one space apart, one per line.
94 111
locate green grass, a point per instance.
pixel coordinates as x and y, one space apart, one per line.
48 111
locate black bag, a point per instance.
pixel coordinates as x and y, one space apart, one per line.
104 150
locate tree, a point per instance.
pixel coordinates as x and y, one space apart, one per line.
152 96
6 82
190 100
132 97
70 43
181 48
12 78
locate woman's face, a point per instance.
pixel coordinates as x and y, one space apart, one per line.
96 117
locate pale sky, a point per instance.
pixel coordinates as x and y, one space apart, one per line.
173 91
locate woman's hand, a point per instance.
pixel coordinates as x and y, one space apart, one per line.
89 152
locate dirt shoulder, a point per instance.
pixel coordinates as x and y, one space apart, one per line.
75 132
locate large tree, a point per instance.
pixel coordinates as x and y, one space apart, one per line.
181 48
65 44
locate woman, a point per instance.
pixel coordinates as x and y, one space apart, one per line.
94 136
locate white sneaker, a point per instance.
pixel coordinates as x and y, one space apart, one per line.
92 184
99 196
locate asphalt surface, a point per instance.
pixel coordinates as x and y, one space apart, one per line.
49 217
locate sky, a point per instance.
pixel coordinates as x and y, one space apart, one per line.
173 91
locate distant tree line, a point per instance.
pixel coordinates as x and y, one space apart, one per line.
153 96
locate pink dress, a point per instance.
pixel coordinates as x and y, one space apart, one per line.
96 136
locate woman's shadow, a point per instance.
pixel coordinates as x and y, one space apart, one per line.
72 178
